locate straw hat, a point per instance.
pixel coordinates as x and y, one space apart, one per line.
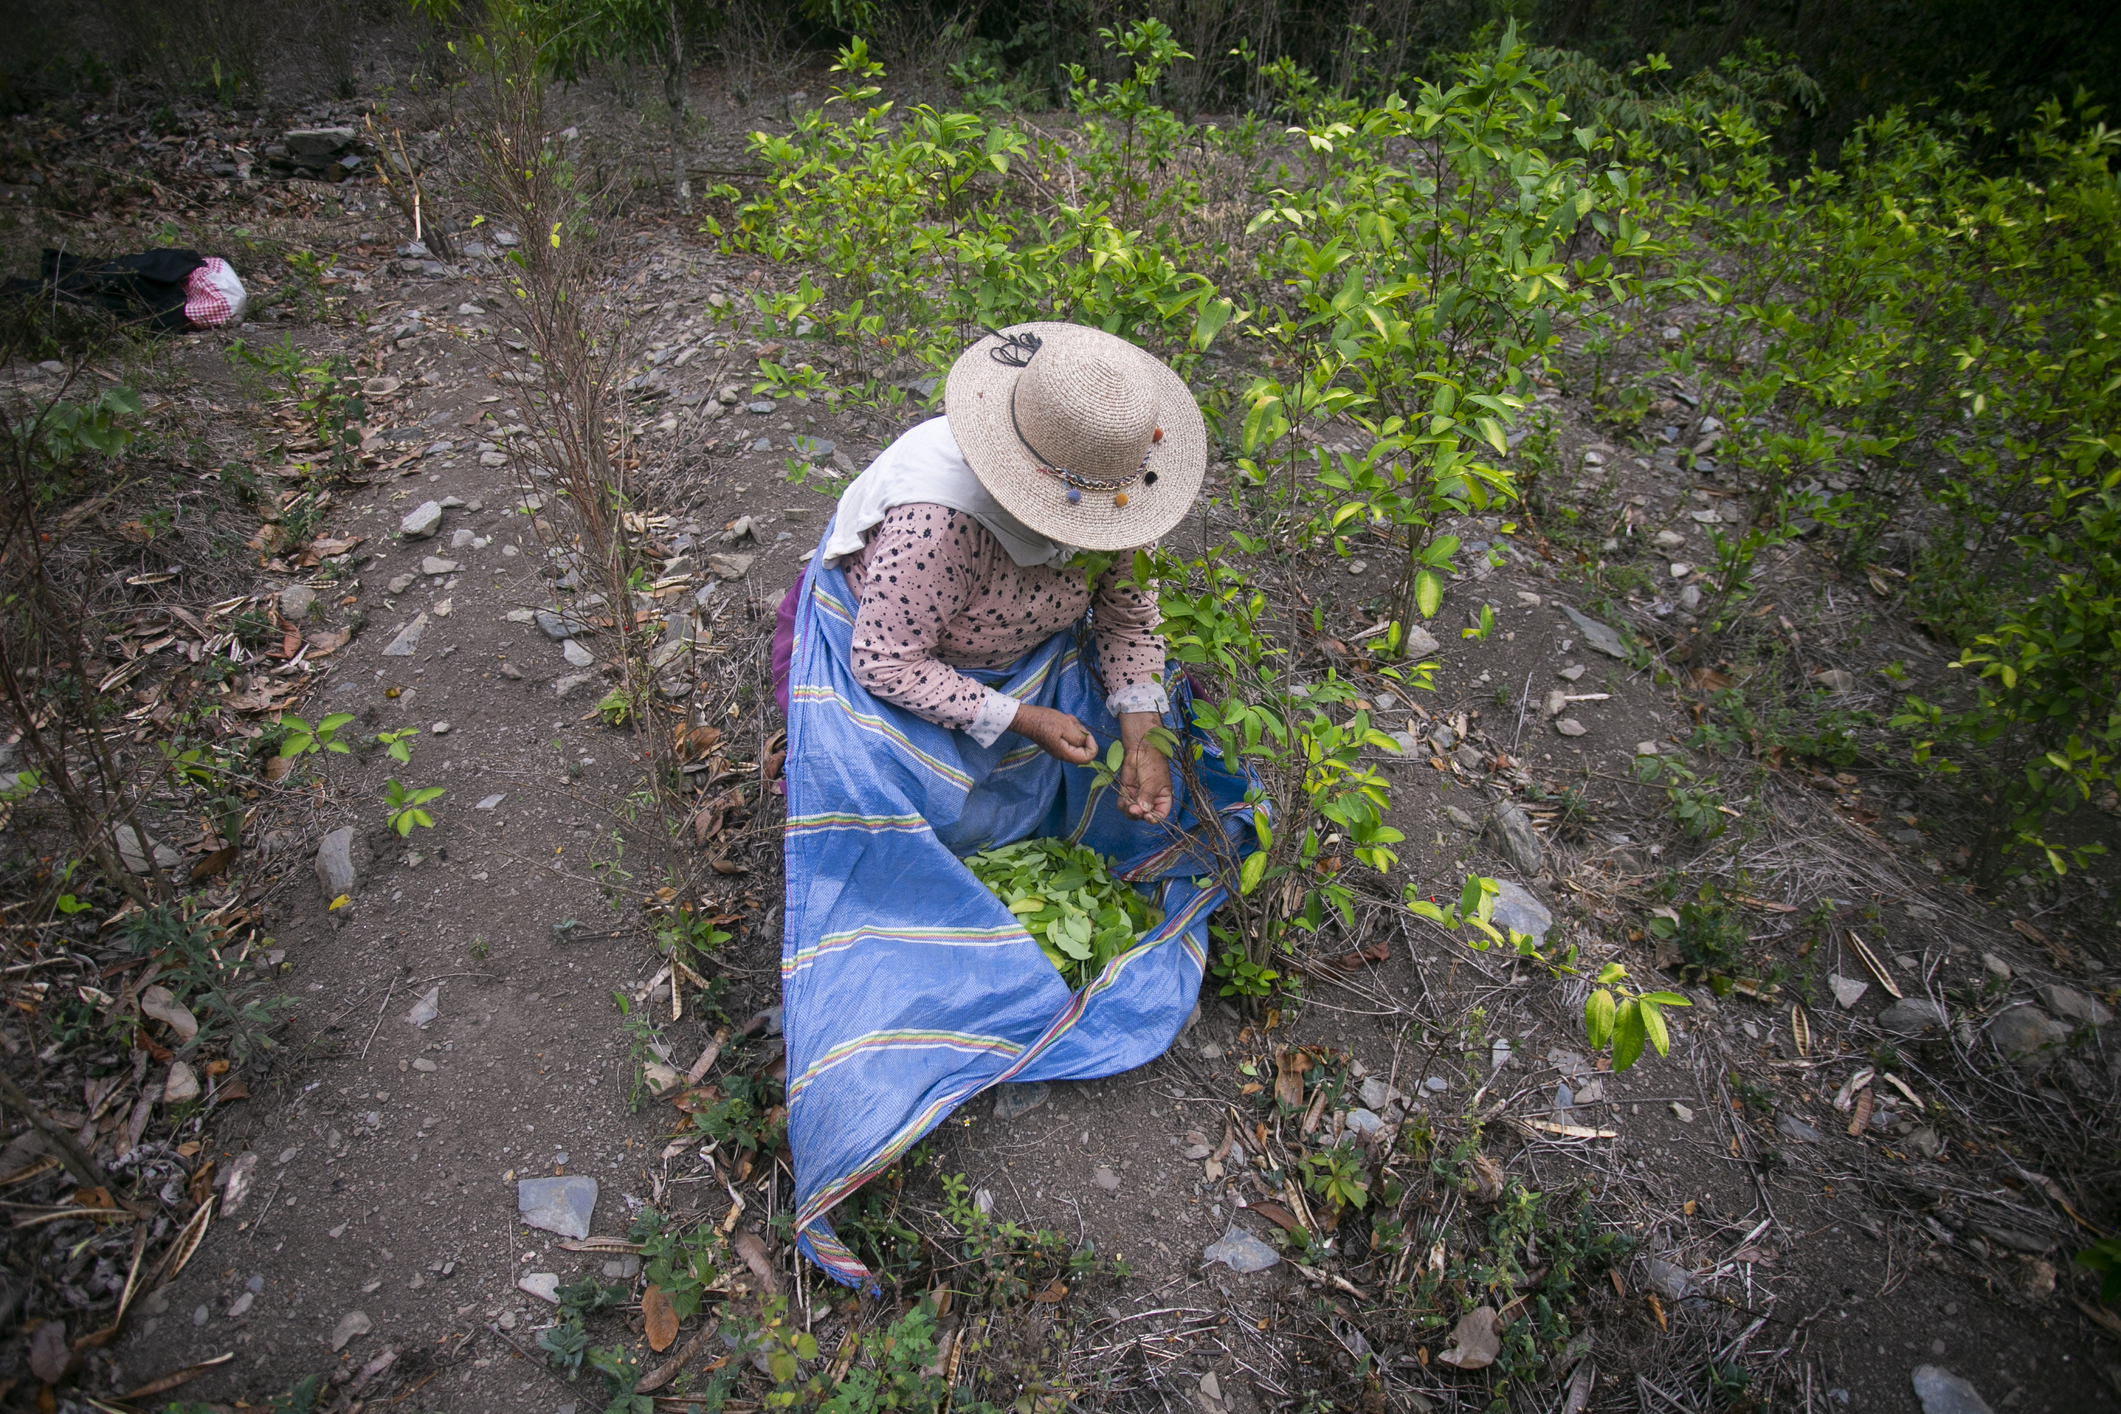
1079 434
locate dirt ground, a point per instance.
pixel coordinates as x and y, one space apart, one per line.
382 1155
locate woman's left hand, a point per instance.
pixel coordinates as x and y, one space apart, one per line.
1145 773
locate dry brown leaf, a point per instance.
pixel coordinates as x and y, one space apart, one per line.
1877 968
1863 1114
726 866
1487 1177
164 1383
1289 1067
212 865
48 1352
1657 1310
1054 1291
1276 1214
753 1251
1801 1030
660 1317
665 1372
324 642
1475 1340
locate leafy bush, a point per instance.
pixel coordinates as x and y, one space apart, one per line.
1066 897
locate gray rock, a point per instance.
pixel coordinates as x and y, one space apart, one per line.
1995 967
1517 908
1469 758
1364 1123
422 522
2072 1005
1604 639
1015 1101
1572 672
576 654
1683 1113
408 638
130 852
1105 1179
559 627
1847 990
1436 1084
729 566
295 602
1943 1392
1408 743
1792 1128
2027 1035
435 564
1512 832
814 449
759 408
1418 642
1240 1251
341 856
1912 1016
557 1205
1569 726
561 686
462 538
1459 818
1377 1093
399 583
1668 1279
351 1324
1443 737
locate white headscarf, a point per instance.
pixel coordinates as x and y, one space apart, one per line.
925 467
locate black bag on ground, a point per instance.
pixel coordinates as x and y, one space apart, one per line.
147 288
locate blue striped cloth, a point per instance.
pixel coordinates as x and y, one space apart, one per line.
908 987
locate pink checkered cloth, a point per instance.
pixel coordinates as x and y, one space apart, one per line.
213 295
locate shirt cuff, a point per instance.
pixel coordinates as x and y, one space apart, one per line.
996 712
1139 697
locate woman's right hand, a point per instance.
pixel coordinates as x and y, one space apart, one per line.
1063 737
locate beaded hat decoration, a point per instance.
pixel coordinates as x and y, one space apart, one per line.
1082 436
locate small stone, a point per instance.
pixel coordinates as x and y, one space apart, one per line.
1912 1016
462 538
1459 818
1668 1279
181 1084
543 1285
422 522
241 1305
130 852
1681 569
2072 1005
1517 910
353 1323
493 458
1356 567
1364 1123
1016 1101
510 671
1469 758
1924 1140
1443 737
1105 1179
1377 1093
1598 635
576 654
427 1008
1569 726
295 602
408 638
491 801
1408 743
1240 1251
438 729
1572 672
1512 832
399 583
815 449
1847 990
1943 1392
1690 597
1796 1130
561 686
456 503
444 608
1418 642
1995 967
1436 1084
558 627
759 408
1670 540
1683 1113
2027 1035
557 1205
435 564
729 566
341 857
1836 680
425 1066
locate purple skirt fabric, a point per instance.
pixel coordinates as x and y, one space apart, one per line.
784 642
